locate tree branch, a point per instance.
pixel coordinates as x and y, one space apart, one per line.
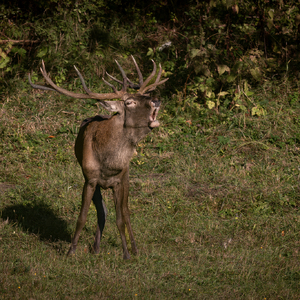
18 41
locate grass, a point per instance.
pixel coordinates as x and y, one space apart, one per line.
214 202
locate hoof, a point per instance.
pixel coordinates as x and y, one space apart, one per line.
96 250
71 252
126 256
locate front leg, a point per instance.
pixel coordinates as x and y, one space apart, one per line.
120 192
126 213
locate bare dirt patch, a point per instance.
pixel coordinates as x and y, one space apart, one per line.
4 186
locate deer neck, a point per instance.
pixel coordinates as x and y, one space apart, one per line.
135 134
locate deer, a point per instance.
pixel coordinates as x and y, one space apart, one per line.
105 145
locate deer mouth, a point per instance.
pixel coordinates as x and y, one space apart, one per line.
152 119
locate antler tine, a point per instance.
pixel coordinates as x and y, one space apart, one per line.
113 78
82 81
124 87
110 85
157 80
152 87
89 91
59 89
141 80
37 86
143 87
131 84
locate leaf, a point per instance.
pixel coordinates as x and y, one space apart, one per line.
194 52
166 74
213 3
34 77
202 69
2 53
270 23
99 53
211 47
210 104
208 93
222 69
206 72
42 53
242 107
229 3
258 110
8 47
22 52
249 93
150 52
230 78
221 94
4 61
256 73
246 86
235 8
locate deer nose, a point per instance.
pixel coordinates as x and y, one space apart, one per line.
155 102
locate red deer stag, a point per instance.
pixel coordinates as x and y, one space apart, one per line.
105 145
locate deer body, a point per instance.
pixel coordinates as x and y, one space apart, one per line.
103 158
104 148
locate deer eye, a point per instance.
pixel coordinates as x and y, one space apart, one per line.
130 103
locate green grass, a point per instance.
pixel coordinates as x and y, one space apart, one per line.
214 203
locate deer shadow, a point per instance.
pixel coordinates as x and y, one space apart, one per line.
39 219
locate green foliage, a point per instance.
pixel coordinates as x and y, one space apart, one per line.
224 52
209 49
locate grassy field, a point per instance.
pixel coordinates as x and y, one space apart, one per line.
214 201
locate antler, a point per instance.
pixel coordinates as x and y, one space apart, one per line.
142 87
89 95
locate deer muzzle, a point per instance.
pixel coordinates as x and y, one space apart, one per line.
155 105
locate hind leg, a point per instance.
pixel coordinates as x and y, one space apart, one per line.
101 216
87 194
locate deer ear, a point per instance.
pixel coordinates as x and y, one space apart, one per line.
113 106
